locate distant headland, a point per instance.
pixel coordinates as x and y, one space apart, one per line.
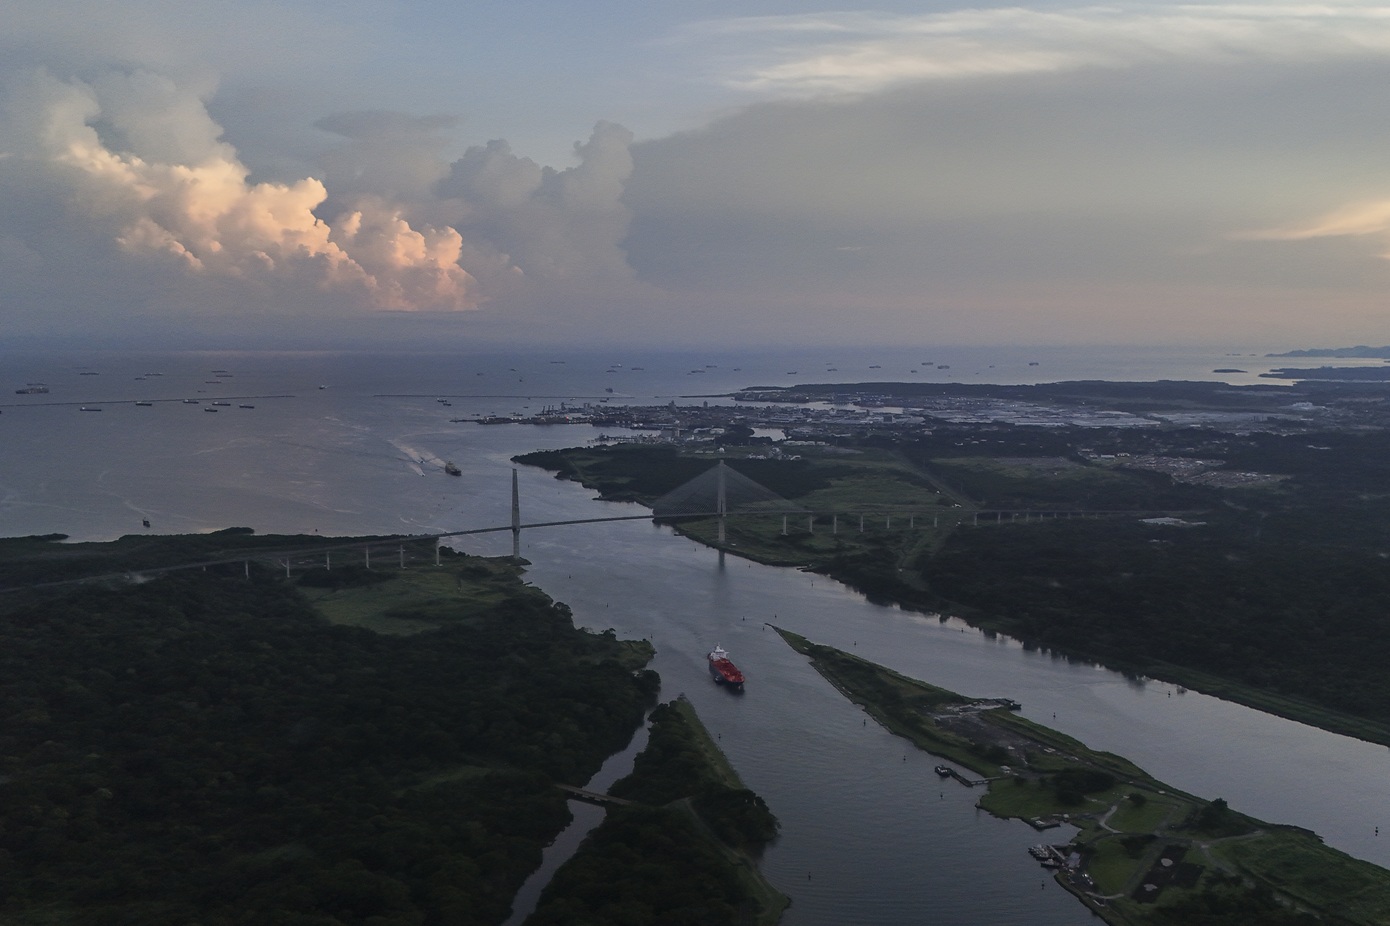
1361 350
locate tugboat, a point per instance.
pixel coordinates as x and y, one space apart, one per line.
723 671
451 469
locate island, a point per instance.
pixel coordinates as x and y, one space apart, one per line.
1140 851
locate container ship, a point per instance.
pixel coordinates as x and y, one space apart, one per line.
723 671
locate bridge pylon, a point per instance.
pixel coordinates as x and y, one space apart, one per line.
516 518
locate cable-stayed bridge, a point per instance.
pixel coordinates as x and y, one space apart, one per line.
721 492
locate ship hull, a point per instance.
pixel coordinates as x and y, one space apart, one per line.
723 671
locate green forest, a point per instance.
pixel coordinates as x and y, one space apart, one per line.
682 854
203 747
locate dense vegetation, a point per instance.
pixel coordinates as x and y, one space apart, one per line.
1291 618
31 560
666 859
204 748
680 763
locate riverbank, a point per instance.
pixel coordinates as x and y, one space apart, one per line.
930 526
1143 852
684 850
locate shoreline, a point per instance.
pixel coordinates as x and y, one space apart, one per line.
1140 844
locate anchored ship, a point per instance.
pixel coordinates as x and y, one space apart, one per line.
723 671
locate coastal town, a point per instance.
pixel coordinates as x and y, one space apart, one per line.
885 410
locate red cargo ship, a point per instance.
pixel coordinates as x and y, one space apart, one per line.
723 671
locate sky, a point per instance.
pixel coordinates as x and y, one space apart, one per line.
353 173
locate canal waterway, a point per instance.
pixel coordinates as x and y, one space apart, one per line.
870 835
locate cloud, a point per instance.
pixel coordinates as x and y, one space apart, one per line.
141 159
1352 220
123 184
859 52
556 227
1094 196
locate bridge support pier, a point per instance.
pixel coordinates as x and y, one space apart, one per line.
516 518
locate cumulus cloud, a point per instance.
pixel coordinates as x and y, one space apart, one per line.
129 170
142 158
555 226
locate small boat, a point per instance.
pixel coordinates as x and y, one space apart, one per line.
223 404
190 401
145 404
723 671
90 408
246 406
451 469
944 771
210 409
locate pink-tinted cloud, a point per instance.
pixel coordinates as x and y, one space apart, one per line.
143 158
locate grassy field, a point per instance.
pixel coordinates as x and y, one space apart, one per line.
1128 821
418 599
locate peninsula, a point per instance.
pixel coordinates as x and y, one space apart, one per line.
1142 852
